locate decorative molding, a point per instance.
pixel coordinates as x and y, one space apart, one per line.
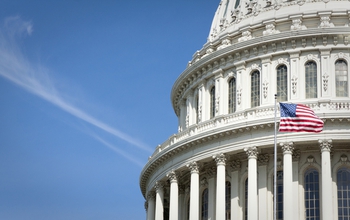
297 25
270 29
151 195
246 35
325 22
265 88
310 159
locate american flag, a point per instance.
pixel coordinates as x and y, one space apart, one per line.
298 118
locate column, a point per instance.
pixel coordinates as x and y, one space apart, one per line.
159 200
263 160
220 160
327 211
194 191
252 153
288 193
190 110
235 208
211 173
183 115
150 209
174 196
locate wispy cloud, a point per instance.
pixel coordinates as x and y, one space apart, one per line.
36 79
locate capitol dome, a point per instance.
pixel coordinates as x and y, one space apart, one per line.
220 164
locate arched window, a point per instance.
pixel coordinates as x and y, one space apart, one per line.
212 102
343 185
310 80
232 95
228 200
246 199
205 204
282 89
341 78
255 89
312 195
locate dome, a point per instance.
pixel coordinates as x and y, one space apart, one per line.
225 100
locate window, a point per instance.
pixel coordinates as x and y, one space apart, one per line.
255 89
312 198
232 95
282 89
228 200
343 185
205 204
310 80
212 102
341 78
279 199
237 3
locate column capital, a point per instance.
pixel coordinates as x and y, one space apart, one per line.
194 167
159 185
325 145
287 147
263 159
252 152
151 195
220 159
173 176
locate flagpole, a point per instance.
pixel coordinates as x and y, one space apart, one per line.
275 167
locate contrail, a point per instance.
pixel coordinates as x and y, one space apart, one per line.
17 69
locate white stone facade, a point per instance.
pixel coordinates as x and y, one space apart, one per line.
220 164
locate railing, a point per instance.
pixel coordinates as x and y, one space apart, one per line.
325 106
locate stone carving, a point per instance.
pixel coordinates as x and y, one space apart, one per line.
239 95
194 167
209 50
270 29
159 186
217 102
325 22
325 145
234 16
246 35
325 81
297 25
151 195
252 152
344 159
263 159
287 148
296 155
173 176
224 43
220 159
310 159
204 182
236 164
265 88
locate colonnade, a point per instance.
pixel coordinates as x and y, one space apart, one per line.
257 188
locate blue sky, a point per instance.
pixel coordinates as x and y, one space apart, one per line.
85 98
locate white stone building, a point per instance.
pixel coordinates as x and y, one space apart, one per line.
219 165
